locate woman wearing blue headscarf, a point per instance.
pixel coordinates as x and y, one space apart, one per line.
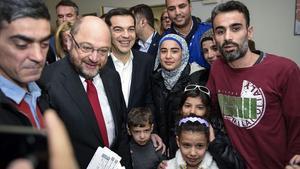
168 82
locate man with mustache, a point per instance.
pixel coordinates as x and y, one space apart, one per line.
257 93
188 27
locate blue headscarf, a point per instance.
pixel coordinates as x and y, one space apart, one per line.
171 77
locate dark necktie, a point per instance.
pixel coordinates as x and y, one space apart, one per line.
94 101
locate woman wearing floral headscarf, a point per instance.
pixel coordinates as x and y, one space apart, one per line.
168 82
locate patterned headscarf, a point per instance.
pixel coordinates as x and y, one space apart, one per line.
171 77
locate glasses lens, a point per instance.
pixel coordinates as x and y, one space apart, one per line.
190 87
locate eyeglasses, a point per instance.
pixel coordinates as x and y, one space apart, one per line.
164 18
202 89
89 49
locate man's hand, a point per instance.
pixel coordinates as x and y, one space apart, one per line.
158 143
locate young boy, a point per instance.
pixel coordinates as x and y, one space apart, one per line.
140 126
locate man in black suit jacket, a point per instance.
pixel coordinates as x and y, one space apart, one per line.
64 81
148 37
25 33
134 67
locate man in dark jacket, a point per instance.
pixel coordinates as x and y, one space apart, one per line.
24 42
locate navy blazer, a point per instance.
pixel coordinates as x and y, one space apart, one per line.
68 97
153 46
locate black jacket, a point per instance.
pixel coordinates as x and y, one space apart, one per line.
167 104
9 114
225 155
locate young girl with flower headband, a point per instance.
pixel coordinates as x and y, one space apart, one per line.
196 101
192 137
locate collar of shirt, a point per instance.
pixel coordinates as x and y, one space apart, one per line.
16 93
144 47
119 63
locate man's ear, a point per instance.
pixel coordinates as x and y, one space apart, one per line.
250 32
128 131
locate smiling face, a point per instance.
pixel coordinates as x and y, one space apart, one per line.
170 55
193 146
93 33
232 34
123 34
179 12
24 44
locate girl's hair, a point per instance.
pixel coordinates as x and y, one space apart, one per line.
194 124
197 93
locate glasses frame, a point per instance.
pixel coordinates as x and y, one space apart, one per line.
202 89
98 51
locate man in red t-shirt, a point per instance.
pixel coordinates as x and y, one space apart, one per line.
257 93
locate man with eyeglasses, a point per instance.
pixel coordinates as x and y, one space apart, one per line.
87 94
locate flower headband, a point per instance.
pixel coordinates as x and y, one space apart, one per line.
193 119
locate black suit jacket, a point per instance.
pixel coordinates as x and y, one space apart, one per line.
153 46
68 96
140 89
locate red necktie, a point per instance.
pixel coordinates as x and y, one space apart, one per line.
24 108
93 98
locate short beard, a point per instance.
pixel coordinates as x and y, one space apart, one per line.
234 55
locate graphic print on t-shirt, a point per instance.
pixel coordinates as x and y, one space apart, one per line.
245 110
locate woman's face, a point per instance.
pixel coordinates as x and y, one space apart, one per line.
193 146
193 105
170 55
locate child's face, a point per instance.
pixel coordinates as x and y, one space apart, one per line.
193 105
193 146
141 135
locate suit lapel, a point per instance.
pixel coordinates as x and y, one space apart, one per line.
109 85
73 85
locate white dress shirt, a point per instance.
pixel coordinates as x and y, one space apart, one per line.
125 72
106 111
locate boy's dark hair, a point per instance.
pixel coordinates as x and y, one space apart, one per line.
139 117
193 126
117 12
145 11
231 6
11 10
68 3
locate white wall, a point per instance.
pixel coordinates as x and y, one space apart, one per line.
273 22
